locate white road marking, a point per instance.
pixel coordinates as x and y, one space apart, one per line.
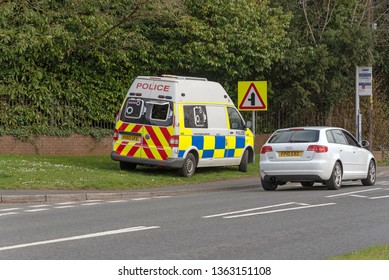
116 201
92 203
143 198
163 196
37 210
8 213
279 210
356 195
349 193
92 235
66 203
38 206
64 206
249 210
377 197
9 209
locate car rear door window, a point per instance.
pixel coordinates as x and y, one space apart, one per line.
339 137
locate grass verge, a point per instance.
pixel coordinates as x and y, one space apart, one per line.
380 252
99 173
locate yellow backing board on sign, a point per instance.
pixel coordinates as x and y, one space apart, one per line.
252 95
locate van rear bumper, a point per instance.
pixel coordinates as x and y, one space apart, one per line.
170 162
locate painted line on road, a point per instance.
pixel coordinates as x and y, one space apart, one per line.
78 237
377 197
142 198
36 210
66 203
92 203
349 193
8 213
278 210
64 206
39 206
9 209
249 210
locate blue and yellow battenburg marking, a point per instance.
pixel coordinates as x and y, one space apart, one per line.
213 146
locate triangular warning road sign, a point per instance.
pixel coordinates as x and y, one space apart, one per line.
252 100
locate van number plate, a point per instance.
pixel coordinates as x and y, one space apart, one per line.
134 138
290 154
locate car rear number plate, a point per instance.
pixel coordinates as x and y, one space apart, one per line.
135 138
290 154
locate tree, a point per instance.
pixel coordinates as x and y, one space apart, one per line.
329 38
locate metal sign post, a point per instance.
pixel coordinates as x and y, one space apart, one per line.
363 87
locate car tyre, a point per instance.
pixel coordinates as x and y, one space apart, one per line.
127 165
268 186
189 166
335 181
371 175
244 162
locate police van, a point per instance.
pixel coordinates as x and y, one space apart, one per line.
180 122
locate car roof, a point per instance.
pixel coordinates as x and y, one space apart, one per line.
310 127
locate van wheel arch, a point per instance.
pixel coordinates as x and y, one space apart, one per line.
190 164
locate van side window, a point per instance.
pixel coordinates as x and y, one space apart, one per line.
195 116
236 121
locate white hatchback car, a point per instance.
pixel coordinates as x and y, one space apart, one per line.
328 155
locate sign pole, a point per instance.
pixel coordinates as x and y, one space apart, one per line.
357 116
253 116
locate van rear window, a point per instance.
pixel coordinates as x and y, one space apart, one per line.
134 108
147 111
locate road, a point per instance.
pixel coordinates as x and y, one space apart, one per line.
291 223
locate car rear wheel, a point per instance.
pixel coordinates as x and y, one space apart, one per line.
269 186
371 175
244 162
189 167
335 181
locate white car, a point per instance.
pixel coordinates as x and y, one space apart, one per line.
327 155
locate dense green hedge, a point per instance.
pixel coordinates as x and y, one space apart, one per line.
66 64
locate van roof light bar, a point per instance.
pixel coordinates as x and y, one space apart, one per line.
184 77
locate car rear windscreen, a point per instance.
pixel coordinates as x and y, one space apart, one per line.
295 136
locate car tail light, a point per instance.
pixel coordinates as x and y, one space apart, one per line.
115 135
318 148
266 149
174 141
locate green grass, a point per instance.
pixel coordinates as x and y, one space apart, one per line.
98 172
380 252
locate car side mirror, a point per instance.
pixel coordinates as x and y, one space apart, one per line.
365 143
248 124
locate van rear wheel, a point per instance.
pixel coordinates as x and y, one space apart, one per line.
189 166
127 165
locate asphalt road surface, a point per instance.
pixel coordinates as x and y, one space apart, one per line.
293 223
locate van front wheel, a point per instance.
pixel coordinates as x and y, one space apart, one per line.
189 166
244 162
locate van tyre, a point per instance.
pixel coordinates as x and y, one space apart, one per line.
189 166
127 165
269 186
371 175
244 162
335 181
